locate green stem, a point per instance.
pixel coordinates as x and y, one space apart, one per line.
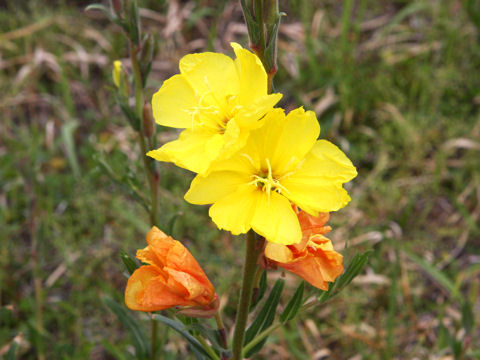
37 281
149 170
152 181
222 333
250 267
153 342
147 162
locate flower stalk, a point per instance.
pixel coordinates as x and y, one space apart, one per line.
149 165
252 251
222 333
153 339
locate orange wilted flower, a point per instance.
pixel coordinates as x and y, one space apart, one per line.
172 278
314 258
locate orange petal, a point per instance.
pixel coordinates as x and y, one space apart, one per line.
321 265
195 289
180 259
313 224
136 287
174 277
160 244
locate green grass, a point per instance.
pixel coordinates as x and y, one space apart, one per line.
406 111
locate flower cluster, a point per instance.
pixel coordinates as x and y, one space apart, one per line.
255 165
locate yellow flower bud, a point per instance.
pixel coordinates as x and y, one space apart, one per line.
117 72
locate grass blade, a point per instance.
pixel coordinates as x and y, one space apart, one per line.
139 339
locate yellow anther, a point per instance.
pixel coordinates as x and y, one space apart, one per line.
268 183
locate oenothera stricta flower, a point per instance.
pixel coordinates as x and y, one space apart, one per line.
314 258
281 163
217 100
172 278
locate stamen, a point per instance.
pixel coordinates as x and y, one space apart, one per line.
268 183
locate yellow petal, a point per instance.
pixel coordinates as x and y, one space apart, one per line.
194 150
172 105
248 116
286 140
316 197
234 212
246 160
209 189
317 184
210 73
275 219
335 164
250 71
234 139
278 252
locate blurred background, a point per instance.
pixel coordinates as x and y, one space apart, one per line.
395 83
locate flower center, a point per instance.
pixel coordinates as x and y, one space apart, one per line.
266 182
214 113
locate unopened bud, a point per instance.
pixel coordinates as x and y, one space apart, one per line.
117 6
147 50
148 122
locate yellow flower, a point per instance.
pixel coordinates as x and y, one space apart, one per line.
281 163
218 101
117 72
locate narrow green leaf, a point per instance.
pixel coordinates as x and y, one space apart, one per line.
443 337
139 339
172 222
211 335
262 288
294 304
413 7
435 273
130 264
103 9
134 23
11 354
252 25
265 317
354 268
98 7
117 353
131 115
472 8
468 317
125 182
182 330
67 137
271 46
